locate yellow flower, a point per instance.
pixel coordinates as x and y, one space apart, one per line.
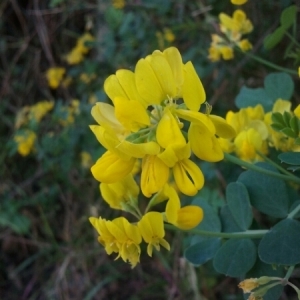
155 174
25 141
86 159
81 42
248 285
214 53
118 193
245 45
238 22
226 52
238 2
152 230
299 71
169 35
55 76
110 168
76 55
119 236
146 122
40 109
248 142
186 217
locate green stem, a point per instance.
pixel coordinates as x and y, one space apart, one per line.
270 161
289 272
252 234
269 64
292 214
253 167
292 39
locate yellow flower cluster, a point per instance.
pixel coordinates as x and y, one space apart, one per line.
34 112
76 55
25 141
255 134
155 118
25 138
233 29
55 76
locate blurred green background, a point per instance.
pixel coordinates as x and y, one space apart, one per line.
48 248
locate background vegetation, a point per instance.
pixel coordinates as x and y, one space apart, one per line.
48 248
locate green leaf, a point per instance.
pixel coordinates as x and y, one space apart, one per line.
289 132
274 38
203 251
288 16
268 194
211 221
286 118
294 124
297 141
277 117
291 158
238 201
235 258
17 222
227 220
277 126
279 85
252 97
281 245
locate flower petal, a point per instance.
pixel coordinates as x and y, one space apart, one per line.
110 168
193 92
147 83
168 131
209 148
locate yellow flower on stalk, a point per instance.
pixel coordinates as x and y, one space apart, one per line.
146 121
238 22
152 230
248 285
25 141
252 133
186 217
118 194
233 28
119 236
55 76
